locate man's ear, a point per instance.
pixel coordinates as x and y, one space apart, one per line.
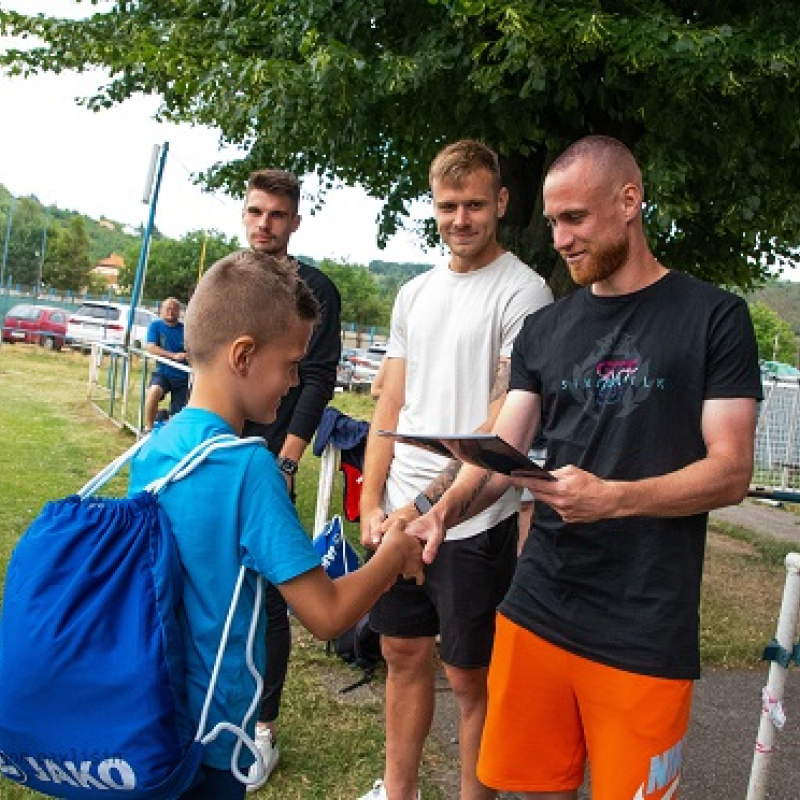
502 202
296 222
632 200
240 354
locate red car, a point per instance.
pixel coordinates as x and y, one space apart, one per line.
42 325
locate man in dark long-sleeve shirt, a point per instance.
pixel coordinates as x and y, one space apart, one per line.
270 218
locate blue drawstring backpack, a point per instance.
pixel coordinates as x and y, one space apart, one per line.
92 672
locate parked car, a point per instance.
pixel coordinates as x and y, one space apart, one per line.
100 321
344 372
366 362
44 325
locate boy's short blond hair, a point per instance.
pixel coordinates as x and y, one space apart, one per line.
457 161
244 294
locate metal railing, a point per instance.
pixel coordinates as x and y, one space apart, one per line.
118 380
777 443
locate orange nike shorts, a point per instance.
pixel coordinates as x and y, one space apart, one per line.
548 708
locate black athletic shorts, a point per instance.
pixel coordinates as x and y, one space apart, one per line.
459 598
178 390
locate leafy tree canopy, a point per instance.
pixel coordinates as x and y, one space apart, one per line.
68 262
174 266
782 297
705 93
361 298
25 241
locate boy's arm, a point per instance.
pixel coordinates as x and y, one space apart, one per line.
327 608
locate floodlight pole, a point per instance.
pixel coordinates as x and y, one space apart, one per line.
38 288
152 196
5 245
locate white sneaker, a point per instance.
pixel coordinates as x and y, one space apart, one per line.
269 757
378 792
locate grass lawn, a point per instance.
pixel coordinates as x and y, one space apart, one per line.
52 441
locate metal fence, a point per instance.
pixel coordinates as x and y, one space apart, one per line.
777 445
11 295
118 381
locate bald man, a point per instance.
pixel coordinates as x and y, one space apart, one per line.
645 383
165 339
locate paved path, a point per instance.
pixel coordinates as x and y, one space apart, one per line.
761 518
726 709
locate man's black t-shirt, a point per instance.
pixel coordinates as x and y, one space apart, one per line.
622 382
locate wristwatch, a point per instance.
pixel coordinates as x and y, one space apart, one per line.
287 465
422 503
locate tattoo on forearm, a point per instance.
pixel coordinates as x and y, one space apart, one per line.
501 380
443 481
465 506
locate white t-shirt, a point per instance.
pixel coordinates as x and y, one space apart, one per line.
451 328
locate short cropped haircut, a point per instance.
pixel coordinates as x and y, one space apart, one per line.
457 161
611 155
276 181
244 294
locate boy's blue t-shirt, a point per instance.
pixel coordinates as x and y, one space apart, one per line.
233 509
167 337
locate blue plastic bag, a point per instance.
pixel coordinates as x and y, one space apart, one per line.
336 554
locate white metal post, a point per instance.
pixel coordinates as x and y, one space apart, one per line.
772 715
327 473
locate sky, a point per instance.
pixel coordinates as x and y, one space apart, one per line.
96 163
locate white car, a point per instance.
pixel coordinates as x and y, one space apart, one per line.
101 321
366 362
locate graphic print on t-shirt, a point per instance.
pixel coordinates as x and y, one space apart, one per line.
613 374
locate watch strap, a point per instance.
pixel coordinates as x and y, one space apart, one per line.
422 503
287 465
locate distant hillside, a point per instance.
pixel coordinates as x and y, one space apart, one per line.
105 236
389 274
783 297
108 236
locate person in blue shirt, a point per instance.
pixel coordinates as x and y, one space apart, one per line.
234 509
165 339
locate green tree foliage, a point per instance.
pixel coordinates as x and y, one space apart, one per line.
68 260
776 339
705 93
392 276
782 297
174 265
361 298
28 221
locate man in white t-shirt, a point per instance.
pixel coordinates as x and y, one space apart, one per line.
446 371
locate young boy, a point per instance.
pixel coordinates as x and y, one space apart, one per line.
247 327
